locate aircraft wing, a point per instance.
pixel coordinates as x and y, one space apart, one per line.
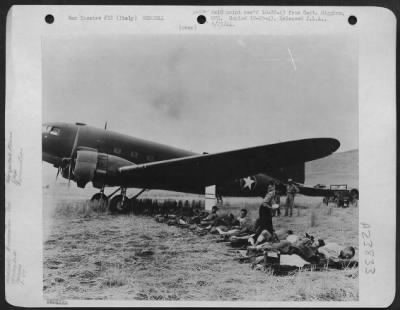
198 171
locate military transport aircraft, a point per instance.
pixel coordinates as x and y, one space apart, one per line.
86 154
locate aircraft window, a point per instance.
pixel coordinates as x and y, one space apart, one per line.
46 128
117 150
54 131
150 157
134 154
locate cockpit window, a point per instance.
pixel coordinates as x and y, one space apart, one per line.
55 131
46 128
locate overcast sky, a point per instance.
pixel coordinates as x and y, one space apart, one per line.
206 93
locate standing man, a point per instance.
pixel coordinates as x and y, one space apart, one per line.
264 228
291 191
276 211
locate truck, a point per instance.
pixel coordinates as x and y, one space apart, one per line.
341 195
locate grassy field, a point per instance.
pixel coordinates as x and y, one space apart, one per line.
89 254
310 215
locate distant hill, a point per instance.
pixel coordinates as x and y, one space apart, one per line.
338 168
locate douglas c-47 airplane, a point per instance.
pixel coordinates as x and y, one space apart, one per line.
86 154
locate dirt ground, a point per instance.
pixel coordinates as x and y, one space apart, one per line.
94 255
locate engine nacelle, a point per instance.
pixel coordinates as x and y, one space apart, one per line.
99 168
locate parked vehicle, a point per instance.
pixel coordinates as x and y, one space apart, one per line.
342 196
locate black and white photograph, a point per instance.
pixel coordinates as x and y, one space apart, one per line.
136 127
202 161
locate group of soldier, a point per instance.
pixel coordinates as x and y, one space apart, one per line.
260 235
273 198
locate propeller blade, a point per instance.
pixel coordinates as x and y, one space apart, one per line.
105 126
58 172
70 159
75 143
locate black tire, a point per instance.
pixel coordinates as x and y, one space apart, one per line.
100 201
336 201
354 194
117 207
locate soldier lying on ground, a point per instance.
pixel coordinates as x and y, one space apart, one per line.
204 217
196 219
334 252
330 254
224 222
201 222
242 227
305 247
210 219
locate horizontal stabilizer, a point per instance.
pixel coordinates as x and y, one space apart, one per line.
316 192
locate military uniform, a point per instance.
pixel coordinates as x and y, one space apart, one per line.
291 191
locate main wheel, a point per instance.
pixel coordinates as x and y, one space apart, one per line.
336 201
119 205
354 193
100 201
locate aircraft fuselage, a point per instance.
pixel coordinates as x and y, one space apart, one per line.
136 150
88 154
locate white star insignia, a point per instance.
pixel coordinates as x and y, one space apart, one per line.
248 182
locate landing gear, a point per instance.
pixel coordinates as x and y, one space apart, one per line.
100 201
119 203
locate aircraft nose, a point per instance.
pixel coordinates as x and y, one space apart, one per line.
45 138
44 142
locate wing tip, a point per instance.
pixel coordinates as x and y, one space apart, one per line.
334 144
